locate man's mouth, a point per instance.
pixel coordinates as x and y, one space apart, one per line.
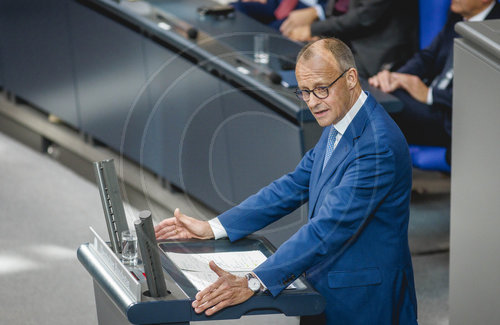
320 112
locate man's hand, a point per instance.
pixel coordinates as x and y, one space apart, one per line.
301 34
261 1
299 17
412 84
183 227
390 81
382 80
228 290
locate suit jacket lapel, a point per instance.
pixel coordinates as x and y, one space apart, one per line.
345 145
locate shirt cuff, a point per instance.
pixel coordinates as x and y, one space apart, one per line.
320 12
217 228
262 285
430 99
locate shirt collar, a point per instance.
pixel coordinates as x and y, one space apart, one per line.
482 15
342 125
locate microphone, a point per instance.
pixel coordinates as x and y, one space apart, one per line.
273 76
167 22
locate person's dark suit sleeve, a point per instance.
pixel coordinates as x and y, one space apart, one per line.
442 97
422 64
323 4
361 16
345 211
274 201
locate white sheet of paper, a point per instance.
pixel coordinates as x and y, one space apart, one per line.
195 266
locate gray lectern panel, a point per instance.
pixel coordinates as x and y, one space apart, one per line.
474 222
36 55
109 68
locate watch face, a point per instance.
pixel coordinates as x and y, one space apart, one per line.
254 284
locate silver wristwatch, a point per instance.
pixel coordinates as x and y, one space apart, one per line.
253 283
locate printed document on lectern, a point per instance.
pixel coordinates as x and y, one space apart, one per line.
195 266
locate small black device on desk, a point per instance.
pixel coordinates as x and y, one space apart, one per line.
217 11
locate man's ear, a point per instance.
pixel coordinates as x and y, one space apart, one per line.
352 78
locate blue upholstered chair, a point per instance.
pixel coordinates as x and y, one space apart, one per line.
429 158
433 14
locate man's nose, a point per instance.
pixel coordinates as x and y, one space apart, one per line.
313 101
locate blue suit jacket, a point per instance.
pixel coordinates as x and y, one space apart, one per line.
354 248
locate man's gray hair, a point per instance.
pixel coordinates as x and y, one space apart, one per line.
340 51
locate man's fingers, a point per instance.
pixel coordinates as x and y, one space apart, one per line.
182 219
214 298
212 310
165 223
164 227
199 296
220 272
172 234
373 81
285 28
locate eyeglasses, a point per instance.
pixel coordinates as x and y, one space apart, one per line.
319 92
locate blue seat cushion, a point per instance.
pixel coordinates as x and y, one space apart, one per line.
429 158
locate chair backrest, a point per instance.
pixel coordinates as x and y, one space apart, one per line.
433 14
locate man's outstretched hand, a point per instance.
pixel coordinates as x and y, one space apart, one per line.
228 290
180 226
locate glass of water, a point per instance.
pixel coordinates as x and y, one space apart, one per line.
261 48
129 247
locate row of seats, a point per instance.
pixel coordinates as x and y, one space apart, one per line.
433 15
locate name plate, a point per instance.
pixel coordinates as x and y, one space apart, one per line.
115 267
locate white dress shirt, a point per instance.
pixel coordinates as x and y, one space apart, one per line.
319 8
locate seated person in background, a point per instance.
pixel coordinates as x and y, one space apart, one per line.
424 84
357 179
381 33
274 12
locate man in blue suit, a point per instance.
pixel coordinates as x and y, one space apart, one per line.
425 83
354 248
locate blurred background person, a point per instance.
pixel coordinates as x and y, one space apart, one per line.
380 33
274 12
425 83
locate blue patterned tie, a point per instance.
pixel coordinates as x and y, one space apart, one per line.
330 145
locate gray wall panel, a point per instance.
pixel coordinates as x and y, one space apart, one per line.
2 45
186 112
262 146
474 239
36 55
110 73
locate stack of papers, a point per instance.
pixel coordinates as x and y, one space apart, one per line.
195 266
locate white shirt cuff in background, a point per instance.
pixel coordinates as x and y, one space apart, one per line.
430 99
217 228
320 12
